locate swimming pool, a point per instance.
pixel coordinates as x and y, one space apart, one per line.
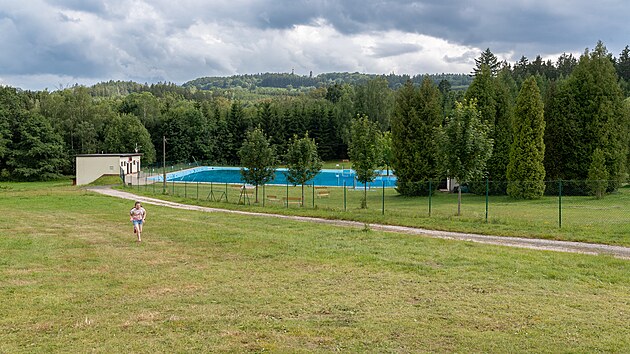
326 177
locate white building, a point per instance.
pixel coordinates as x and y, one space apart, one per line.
92 166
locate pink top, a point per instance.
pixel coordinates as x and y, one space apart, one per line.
137 214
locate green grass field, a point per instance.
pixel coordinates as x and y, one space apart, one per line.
73 280
584 219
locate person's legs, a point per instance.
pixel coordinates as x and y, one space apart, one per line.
137 228
139 231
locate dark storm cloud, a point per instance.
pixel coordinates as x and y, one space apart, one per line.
385 50
541 26
160 40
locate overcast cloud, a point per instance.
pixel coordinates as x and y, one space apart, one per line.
53 43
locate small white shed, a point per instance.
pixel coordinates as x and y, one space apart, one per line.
92 166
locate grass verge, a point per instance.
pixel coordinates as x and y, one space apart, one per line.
584 219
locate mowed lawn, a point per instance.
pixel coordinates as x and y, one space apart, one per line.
584 218
72 279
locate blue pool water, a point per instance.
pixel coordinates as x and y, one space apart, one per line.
326 177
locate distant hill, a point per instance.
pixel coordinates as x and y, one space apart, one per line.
287 80
252 87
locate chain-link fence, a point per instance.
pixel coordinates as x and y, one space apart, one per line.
569 205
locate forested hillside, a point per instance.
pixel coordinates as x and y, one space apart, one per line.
292 81
584 101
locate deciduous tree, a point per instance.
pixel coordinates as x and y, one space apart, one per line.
303 162
464 146
365 151
258 159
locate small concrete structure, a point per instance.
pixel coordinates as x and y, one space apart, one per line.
92 166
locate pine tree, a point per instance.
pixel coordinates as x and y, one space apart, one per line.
494 101
598 174
417 114
490 60
482 90
237 126
623 64
586 112
565 64
525 171
502 135
623 69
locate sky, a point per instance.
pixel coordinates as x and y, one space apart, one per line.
51 44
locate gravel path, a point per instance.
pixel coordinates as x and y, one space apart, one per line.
538 244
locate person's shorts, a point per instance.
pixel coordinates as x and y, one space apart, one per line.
137 222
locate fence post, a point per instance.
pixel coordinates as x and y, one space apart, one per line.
487 187
383 212
287 198
197 190
263 202
173 187
344 195
154 186
185 192
560 203
313 194
430 195
226 193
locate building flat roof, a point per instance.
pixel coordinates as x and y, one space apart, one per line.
108 155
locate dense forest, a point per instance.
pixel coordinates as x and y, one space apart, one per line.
586 115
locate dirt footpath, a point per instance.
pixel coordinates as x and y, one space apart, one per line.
538 244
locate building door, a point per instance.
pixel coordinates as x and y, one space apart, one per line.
129 167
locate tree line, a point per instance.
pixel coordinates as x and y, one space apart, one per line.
585 121
284 80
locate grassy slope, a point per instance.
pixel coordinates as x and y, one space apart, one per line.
72 279
585 219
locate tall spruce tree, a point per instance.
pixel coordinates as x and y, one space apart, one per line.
482 90
598 174
586 112
623 70
237 127
488 59
495 103
526 171
416 116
